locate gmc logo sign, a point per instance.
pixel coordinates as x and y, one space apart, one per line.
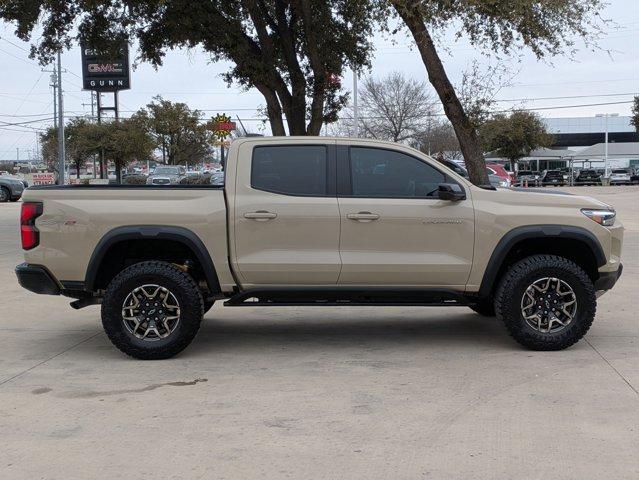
105 68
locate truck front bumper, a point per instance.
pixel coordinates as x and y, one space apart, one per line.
37 279
607 280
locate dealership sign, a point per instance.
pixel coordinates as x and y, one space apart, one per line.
103 74
221 125
46 178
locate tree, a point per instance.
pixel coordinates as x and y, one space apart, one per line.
176 130
125 141
514 136
49 148
635 114
82 138
439 141
503 26
292 52
395 108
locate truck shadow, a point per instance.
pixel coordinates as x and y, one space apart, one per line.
279 328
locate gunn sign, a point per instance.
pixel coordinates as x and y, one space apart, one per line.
103 74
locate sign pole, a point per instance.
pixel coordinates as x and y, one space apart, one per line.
99 104
221 126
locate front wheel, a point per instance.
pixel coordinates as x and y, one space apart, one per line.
485 308
152 310
546 302
4 195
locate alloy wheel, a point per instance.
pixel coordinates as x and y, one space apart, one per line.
549 305
151 312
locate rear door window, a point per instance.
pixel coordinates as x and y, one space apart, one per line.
299 170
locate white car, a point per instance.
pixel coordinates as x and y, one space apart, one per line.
620 176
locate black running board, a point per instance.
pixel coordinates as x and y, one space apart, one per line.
346 296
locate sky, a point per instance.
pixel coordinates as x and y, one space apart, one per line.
590 83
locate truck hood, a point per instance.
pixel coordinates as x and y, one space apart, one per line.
543 197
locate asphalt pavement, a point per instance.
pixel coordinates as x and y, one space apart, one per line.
319 393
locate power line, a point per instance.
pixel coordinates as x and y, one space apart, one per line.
567 97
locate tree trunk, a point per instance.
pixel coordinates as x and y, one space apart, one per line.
273 110
118 172
464 129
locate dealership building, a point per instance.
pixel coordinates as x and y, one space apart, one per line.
580 142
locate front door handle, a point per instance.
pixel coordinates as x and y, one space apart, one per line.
362 216
260 215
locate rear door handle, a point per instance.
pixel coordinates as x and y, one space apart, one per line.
260 215
362 216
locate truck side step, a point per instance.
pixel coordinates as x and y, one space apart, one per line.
346 296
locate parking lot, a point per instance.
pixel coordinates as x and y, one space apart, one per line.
355 393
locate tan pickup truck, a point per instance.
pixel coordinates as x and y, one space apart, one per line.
320 221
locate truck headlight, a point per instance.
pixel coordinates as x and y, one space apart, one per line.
602 217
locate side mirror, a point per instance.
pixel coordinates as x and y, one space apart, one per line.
451 191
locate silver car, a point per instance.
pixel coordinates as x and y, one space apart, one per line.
166 175
620 176
11 188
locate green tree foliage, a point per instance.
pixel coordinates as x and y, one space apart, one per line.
635 114
502 26
176 131
126 141
122 142
514 136
293 52
83 140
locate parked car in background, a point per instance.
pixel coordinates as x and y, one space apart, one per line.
167 175
620 176
11 188
529 176
500 171
552 177
495 180
217 179
588 176
634 178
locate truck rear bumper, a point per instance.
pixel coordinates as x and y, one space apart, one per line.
607 280
37 279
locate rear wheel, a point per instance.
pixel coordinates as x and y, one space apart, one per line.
208 304
152 310
4 195
546 302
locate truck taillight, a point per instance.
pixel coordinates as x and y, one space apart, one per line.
28 231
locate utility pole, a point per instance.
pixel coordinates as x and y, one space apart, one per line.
355 106
61 151
54 85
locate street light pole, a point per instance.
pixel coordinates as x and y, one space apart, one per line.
606 116
61 152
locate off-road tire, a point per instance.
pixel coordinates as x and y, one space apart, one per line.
208 305
522 274
179 283
5 194
485 308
